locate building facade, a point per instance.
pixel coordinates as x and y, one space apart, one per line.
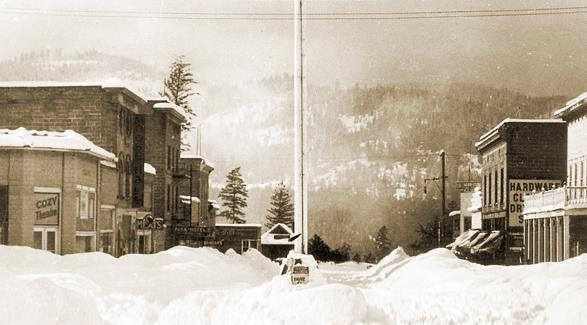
55 191
238 237
138 196
196 218
519 156
162 150
555 221
275 241
106 115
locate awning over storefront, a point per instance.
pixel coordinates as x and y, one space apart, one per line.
476 241
489 245
464 238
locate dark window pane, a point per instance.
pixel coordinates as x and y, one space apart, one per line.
38 240
51 241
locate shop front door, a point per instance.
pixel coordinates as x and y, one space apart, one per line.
46 238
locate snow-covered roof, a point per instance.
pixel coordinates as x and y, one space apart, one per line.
149 169
108 163
454 213
106 84
166 105
256 225
485 137
50 140
188 155
186 199
572 105
268 238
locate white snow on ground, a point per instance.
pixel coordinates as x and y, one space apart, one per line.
202 286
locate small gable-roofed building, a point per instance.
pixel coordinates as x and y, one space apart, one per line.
275 241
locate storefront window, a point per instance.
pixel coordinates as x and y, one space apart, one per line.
38 239
106 243
84 243
51 241
248 243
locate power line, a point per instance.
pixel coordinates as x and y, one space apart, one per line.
276 16
418 12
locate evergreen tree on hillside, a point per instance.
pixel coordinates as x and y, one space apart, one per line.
382 242
178 89
234 197
282 208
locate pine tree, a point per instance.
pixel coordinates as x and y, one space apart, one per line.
369 258
382 242
178 89
234 197
357 258
318 248
282 209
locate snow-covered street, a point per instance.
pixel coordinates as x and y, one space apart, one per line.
202 286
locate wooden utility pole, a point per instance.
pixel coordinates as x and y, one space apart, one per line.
300 184
443 190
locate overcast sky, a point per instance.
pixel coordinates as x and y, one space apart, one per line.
541 55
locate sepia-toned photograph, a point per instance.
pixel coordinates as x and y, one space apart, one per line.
293 162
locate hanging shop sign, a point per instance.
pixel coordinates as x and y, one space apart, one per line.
46 208
148 222
520 187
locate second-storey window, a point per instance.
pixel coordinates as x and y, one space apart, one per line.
489 189
168 197
496 186
121 176
501 186
128 169
86 204
168 157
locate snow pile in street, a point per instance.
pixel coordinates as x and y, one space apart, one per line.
202 286
439 288
387 265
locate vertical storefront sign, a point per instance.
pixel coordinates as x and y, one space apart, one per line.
520 187
46 208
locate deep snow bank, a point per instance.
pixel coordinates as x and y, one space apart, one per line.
95 288
202 286
439 288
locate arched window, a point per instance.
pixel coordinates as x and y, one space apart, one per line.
121 176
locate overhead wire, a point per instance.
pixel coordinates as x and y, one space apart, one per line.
285 16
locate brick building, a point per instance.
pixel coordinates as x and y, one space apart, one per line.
162 149
135 129
196 218
107 115
519 156
555 221
55 192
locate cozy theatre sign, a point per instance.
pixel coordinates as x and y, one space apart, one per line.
46 208
520 187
